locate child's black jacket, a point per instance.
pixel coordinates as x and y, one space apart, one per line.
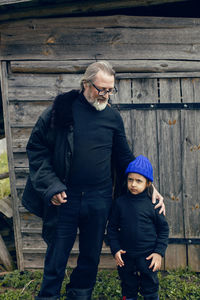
136 227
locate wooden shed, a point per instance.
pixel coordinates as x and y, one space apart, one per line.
44 49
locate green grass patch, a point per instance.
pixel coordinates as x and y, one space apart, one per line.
4 183
182 284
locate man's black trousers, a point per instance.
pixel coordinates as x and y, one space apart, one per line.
89 212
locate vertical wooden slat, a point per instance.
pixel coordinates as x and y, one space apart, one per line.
16 219
124 96
144 135
170 90
191 168
144 90
170 165
5 257
144 131
175 257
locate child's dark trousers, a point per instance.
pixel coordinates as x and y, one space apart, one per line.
137 277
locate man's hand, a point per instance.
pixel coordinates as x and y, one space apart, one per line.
155 262
118 258
58 199
157 196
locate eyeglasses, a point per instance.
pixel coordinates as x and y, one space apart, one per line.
103 92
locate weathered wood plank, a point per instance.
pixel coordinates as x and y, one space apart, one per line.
71 8
100 50
123 21
59 40
144 138
39 87
124 96
191 169
34 94
36 261
169 75
175 257
20 185
6 207
170 168
33 242
20 137
144 90
79 66
26 112
5 256
191 175
30 221
52 81
20 160
190 88
170 90
194 257
16 224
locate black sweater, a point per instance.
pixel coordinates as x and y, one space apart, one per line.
97 135
136 227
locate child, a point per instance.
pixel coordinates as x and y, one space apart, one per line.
138 234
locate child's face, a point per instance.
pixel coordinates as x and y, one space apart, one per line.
136 183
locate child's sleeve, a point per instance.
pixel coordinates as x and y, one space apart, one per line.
162 229
113 230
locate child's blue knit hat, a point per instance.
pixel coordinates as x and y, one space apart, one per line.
142 166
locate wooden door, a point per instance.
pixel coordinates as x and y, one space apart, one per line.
161 117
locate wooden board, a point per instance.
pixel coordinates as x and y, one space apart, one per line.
132 65
100 38
191 169
175 257
60 8
16 219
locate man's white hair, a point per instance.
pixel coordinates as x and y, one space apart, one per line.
93 69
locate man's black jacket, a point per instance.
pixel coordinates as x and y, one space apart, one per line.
49 151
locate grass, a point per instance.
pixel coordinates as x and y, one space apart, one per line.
182 284
4 183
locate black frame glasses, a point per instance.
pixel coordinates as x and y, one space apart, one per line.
103 92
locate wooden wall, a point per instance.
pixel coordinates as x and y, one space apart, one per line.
158 74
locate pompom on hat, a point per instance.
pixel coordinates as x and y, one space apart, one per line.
142 166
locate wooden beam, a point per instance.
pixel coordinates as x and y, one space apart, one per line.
158 75
5 257
128 2
58 8
79 66
16 219
119 37
6 207
4 175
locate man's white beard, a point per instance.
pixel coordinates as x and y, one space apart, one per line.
99 106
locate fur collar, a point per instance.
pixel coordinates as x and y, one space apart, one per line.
62 109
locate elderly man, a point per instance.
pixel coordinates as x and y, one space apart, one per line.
70 181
